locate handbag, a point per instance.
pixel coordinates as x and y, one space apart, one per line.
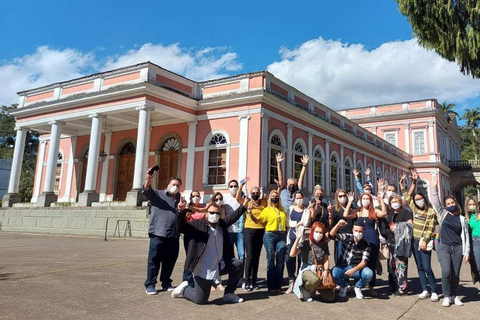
431 241
324 285
384 252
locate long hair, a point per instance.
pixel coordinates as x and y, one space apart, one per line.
214 196
467 209
396 197
459 210
371 209
428 205
337 203
191 196
270 204
324 230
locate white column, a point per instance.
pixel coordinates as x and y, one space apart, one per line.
354 157
93 153
341 176
39 171
52 156
142 148
192 136
264 170
71 165
407 137
289 172
309 173
243 146
17 160
105 165
430 137
327 168
374 173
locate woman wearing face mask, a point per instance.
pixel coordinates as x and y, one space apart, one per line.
275 219
190 216
297 215
397 262
343 204
454 244
307 279
320 209
472 215
424 222
369 215
253 233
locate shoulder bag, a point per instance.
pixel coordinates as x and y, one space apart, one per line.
329 284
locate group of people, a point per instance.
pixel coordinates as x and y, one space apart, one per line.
295 233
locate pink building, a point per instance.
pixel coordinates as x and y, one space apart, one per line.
100 133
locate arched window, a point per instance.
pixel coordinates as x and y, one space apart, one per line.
379 172
299 150
333 173
217 146
318 160
386 176
361 171
276 145
58 172
393 180
348 174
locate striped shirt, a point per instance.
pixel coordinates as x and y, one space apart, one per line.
421 219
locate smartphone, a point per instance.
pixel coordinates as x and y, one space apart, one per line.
153 170
244 180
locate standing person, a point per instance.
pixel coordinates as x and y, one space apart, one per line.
190 216
210 254
368 215
342 208
314 251
296 214
472 213
287 194
253 233
162 231
396 218
454 244
320 211
353 261
274 240
231 203
424 222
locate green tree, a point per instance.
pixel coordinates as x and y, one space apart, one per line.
450 27
448 108
473 119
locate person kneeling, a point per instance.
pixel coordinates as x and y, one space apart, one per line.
209 254
353 259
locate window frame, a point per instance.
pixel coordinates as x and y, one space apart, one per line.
320 159
206 156
279 148
295 154
60 161
424 134
349 175
333 188
395 133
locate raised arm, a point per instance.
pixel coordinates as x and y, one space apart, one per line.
381 193
238 196
358 183
302 173
295 250
348 213
232 218
280 158
334 230
411 190
367 176
435 197
147 190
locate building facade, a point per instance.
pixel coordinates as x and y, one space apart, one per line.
100 133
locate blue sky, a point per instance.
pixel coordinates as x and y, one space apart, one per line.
343 53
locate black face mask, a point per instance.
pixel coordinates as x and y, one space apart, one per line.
274 200
255 196
319 198
292 188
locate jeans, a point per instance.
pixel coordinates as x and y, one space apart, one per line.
423 259
253 240
476 250
274 243
200 292
293 264
372 263
450 258
363 276
237 240
165 251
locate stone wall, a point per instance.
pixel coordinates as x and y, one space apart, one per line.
73 220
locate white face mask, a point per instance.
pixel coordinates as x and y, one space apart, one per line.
317 236
174 190
395 205
420 203
385 200
367 191
233 191
342 200
213 218
358 235
196 199
473 208
219 202
299 202
365 203
389 194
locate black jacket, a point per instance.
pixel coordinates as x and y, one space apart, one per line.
196 233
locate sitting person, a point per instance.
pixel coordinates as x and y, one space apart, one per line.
353 259
307 280
210 254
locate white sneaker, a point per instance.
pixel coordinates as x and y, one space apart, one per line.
457 302
446 302
309 299
232 298
424 295
434 297
177 292
342 293
358 293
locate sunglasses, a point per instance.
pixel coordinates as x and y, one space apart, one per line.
233 186
195 197
341 196
255 194
214 212
218 199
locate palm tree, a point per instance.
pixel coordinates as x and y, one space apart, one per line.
473 120
448 109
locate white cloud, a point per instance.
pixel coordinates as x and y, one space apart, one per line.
345 76
47 65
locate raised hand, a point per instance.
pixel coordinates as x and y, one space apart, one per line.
434 181
414 174
368 172
356 173
182 204
402 178
351 196
342 223
330 207
279 157
305 159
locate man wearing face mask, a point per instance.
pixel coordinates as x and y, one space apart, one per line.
287 194
210 254
353 259
162 231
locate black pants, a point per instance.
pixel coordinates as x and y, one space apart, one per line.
165 251
253 241
200 292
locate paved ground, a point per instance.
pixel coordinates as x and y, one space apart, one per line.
60 277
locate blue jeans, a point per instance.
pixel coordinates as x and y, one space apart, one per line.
293 264
363 276
423 259
237 240
476 250
274 243
165 251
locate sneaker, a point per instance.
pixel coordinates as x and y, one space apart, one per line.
169 288
446 302
425 295
177 292
434 297
232 298
457 302
290 286
342 293
358 293
309 299
398 293
151 290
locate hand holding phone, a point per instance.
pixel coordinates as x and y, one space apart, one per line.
244 180
152 170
